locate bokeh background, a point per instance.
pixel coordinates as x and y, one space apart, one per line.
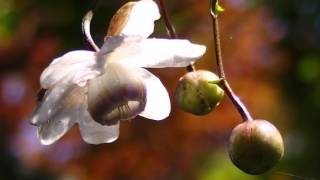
272 59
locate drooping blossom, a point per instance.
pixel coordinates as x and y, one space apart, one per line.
96 90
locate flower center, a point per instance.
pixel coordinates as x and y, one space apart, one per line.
118 94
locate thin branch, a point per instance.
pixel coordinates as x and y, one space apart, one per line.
170 28
86 32
216 36
164 13
224 83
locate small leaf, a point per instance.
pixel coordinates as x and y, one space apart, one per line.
215 8
215 81
219 8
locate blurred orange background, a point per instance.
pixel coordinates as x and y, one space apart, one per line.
272 61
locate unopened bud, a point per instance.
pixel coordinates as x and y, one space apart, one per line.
198 93
255 146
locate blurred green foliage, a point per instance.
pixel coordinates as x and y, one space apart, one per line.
302 80
217 166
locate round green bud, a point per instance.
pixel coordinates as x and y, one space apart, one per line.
198 93
255 146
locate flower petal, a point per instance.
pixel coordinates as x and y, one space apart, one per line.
135 18
95 133
56 127
118 94
141 19
76 67
156 53
50 104
63 117
158 105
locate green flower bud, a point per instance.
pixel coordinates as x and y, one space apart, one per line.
198 93
255 146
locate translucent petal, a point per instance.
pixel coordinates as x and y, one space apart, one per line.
158 105
57 126
50 104
75 66
64 117
156 53
95 133
112 43
141 19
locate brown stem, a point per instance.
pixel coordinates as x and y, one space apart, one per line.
171 31
224 83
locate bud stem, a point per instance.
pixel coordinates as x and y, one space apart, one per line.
224 83
170 28
86 32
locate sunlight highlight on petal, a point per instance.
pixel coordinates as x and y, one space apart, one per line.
51 103
158 105
54 129
95 133
156 53
63 117
139 21
75 66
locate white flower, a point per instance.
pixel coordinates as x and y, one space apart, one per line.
70 80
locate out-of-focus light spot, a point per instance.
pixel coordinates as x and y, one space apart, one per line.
5 8
67 150
308 69
238 4
216 164
6 19
25 145
277 29
13 89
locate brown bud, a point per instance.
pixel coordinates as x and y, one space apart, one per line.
116 95
255 146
